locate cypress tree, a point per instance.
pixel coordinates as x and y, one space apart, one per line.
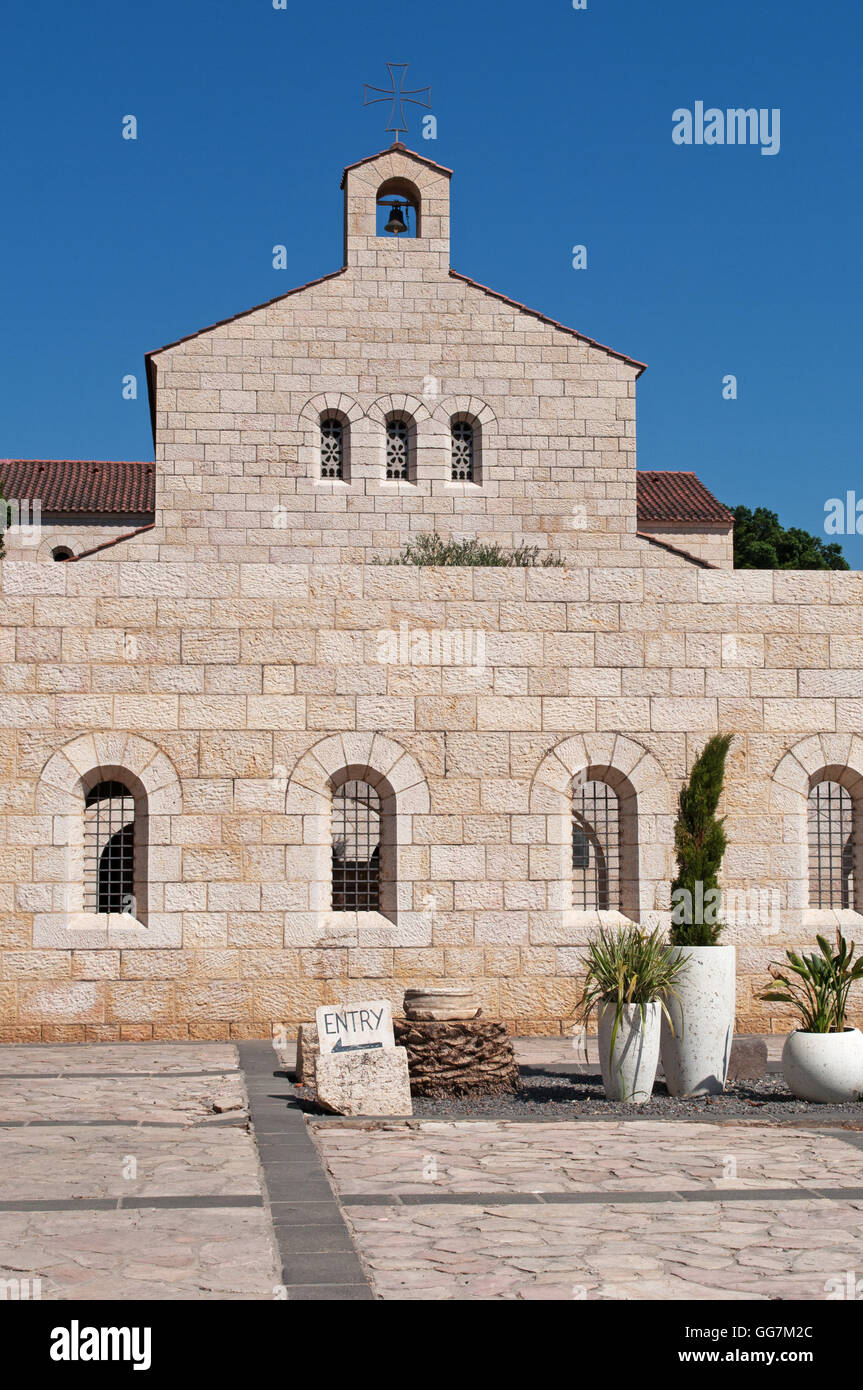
699 843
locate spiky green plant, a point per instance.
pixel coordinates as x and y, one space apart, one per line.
626 965
821 985
432 549
700 841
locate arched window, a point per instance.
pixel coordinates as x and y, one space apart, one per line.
109 849
400 449
332 447
463 451
595 847
356 848
831 846
61 552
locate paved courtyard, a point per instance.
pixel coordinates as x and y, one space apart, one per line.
118 1179
186 1171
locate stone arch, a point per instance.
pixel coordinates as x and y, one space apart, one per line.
408 190
346 409
152 779
817 758
646 810
399 780
397 403
473 406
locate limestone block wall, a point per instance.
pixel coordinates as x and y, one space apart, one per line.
712 543
78 534
231 696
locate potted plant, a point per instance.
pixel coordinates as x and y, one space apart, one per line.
823 1059
629 977
697 1034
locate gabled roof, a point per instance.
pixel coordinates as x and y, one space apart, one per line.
244 313
80 485
397 148
552 323
677 497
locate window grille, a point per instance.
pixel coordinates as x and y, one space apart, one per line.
831 846
595 847
332 449
109 849
462 451
356 848
398 439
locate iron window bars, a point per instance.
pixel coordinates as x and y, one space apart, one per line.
462 451
595 847
109 849
332 449
356 848
831 845
398 439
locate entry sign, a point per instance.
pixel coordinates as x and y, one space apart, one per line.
356 1028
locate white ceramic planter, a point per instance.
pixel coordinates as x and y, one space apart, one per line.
824 1067
630 1074
695 1057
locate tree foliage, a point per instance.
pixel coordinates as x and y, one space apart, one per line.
761 542
700 842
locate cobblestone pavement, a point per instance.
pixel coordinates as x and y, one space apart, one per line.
120 1180
728 1212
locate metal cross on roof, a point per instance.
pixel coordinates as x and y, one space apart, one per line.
398 96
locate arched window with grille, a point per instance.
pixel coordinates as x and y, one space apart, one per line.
595 847
109 849
464 451
356 847
400 449
332 448
831 846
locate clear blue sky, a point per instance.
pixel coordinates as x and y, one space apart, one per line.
702 261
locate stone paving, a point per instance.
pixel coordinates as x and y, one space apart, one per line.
585 1156
115 1131
129 1171
726 1251
702 1211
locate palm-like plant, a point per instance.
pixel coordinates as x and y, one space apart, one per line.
821 984
627 966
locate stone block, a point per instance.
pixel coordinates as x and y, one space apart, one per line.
748 1061
364 1083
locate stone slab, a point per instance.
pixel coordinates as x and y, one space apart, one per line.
364 1083
748 1060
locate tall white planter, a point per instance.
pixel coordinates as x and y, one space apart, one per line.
824 1067
695 1057
630 1074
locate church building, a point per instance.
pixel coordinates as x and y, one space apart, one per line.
251 765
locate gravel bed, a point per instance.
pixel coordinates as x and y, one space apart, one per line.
575 1092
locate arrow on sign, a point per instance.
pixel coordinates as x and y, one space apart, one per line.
355 1047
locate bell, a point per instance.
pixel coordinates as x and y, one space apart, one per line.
396 224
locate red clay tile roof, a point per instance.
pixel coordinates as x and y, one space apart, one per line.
81 485
677 498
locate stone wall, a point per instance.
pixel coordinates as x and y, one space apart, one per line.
709 542
231 694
